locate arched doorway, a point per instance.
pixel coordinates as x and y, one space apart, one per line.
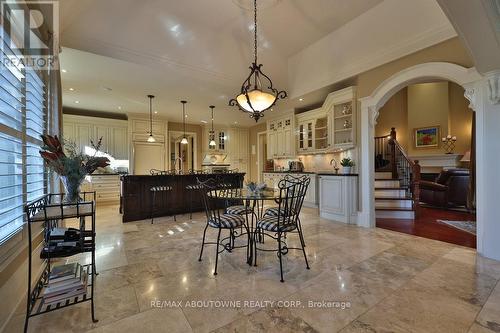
370 106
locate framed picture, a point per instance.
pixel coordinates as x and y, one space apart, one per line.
427 137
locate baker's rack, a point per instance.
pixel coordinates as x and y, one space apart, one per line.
51 210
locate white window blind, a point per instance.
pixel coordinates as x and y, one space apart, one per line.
23 118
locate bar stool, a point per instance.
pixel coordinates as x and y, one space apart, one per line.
161 189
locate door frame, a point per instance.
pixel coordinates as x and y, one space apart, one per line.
195 146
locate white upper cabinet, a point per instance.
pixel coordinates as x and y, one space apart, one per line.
280 137
331 127
221 140
342 109
82 130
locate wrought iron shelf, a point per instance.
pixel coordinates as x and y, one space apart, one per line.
50 210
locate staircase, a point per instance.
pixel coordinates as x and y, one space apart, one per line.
396 180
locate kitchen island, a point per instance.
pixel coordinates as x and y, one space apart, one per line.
136 197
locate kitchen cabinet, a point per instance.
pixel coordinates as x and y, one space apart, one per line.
280 137
220 136
314 135
272 180
341 108
82 130
238 141
107 188
338 198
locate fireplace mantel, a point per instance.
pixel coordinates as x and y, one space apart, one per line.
436 162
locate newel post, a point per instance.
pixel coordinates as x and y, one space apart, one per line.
416 188
392 145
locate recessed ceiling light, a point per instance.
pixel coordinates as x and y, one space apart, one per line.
235 122
64 71
185 116
71 89
77 102
271 109
119 108
301 99
156 112
204 121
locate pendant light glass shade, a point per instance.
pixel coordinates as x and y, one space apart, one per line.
257 93
184 140
212 132
151 138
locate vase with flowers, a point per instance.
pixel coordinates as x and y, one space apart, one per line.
73 165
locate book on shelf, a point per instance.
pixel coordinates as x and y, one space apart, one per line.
63 272
56 292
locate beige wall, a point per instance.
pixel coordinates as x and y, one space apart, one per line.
451 50
427 106
395 114
424 105
460 122
178 127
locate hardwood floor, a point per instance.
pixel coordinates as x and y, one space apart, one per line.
428 227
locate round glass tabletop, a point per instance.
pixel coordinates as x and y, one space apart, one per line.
245 194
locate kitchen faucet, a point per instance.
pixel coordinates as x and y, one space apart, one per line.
334 163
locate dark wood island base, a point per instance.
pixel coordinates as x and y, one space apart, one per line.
136 196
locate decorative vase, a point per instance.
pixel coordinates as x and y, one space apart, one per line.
72 186
346 170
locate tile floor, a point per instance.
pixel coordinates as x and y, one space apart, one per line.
360 280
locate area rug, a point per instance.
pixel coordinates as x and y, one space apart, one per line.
467 226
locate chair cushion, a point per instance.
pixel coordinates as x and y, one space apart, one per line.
270 223
161 188
227 221
273 211
194 187
238 210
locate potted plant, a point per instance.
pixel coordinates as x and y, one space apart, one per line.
73 166
347 165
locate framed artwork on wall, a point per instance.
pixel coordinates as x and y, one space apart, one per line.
427 137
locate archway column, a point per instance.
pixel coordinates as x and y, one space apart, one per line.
484 97
484 94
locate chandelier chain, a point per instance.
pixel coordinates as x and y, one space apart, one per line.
255 30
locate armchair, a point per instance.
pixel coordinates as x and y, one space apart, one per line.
449 189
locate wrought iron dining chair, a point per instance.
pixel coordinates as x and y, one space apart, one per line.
217 219
273 211
292 194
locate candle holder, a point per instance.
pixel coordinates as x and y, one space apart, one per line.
449 143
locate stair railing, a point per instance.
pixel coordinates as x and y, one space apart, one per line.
408 171
401 166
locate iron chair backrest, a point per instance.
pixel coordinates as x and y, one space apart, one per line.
156 172
292 193
210 193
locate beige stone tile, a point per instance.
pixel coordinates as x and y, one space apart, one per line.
490 314
481 264
417 309
152 321
457 279
476 328
275 320
127 275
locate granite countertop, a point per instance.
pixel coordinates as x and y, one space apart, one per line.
319 173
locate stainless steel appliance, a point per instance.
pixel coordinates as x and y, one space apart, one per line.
213 162
296 166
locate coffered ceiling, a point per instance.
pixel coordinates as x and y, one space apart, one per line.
115 52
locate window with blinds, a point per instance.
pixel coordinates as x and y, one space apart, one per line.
23 118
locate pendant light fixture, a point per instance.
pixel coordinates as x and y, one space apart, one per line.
212 132
184 140
151 138
257 93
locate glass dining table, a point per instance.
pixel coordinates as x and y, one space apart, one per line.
255 201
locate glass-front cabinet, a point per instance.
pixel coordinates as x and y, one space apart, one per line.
341 108
313 131
280 137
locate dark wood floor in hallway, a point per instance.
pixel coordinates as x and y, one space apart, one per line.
427 226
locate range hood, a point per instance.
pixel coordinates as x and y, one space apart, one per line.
214 159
